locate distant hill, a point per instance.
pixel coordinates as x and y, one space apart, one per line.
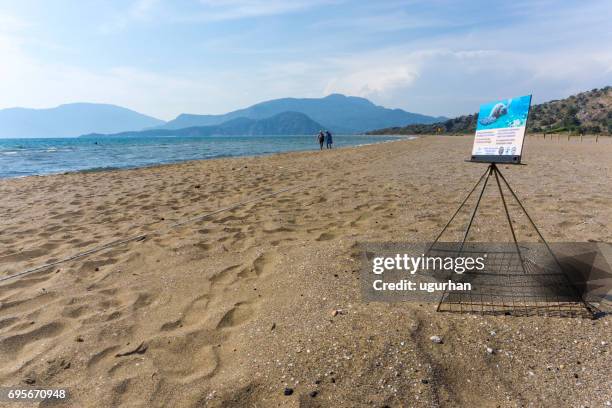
71 120
339 113
285 123
587 112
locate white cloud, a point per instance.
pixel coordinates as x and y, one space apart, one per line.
137 11
166 11
387 22
235 9
373 81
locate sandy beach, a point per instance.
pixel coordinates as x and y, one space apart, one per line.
231 308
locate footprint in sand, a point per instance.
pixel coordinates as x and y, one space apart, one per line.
187 358
101 355
238 314
11 346
193 315
143 299
261 266
8 322
326 236
75 312
225 276
357 221
28 305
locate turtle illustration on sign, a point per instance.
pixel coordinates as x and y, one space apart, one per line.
498 111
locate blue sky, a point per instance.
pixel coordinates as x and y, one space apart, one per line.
211 56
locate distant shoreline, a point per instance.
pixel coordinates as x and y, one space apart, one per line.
103 169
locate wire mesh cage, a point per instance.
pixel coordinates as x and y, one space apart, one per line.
518 281
523 283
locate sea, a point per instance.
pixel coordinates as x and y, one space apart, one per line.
27 157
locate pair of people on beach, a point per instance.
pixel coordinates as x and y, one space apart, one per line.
325 137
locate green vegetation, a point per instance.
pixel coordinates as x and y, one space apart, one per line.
586 112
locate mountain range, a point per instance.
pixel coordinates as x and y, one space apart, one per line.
285 123
71 120
338 113
586 112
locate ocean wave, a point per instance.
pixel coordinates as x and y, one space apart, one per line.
97 169
71 155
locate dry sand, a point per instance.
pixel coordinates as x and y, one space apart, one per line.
230 310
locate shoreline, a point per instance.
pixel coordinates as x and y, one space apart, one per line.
219 157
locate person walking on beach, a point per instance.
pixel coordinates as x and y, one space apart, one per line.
328 139
321 137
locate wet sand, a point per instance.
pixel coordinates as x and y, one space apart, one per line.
231 309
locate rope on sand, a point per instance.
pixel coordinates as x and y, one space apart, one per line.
141 237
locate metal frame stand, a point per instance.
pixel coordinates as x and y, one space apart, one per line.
493 171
